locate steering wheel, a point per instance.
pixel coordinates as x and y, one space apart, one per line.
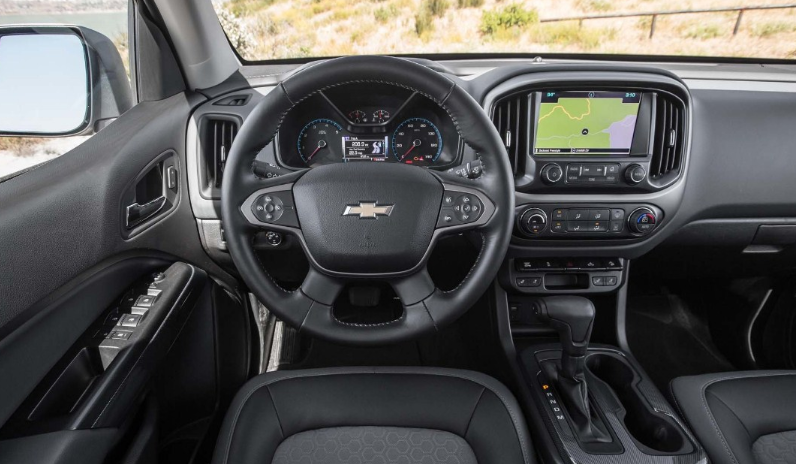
372 221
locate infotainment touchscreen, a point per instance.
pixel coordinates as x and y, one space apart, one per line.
585 123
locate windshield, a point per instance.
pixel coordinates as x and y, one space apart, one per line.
280 29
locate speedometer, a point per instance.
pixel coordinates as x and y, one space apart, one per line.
417 141
318 142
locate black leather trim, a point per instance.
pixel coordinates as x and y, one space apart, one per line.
275 406
261 127
729 412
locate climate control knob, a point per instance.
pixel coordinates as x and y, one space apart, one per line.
533 221
552 173
642 221
634 174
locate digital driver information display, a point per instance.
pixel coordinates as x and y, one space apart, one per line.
585 123
364 148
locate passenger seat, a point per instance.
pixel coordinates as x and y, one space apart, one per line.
741 417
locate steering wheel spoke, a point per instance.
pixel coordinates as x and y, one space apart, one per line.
463 208
321 287
271 207
414 288
367 221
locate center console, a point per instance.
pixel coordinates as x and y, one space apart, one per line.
597 402
600 160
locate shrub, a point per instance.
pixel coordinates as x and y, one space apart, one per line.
385 13
436 7
470 3
424 23
568 33
772 28
595 5
513 15
704 31
238 34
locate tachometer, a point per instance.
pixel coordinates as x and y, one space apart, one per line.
417 141
318 142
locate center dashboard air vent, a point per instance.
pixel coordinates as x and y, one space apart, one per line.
668 139
216 140
511 116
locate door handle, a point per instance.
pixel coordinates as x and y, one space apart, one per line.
136 214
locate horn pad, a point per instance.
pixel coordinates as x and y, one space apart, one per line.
348 225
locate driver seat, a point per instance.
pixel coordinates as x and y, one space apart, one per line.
374 415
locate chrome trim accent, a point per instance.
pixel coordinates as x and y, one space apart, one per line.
368 210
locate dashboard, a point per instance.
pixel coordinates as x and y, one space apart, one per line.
367 123
610 159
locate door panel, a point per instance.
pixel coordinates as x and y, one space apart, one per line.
65 216
66 254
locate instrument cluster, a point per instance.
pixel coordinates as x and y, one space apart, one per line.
368 123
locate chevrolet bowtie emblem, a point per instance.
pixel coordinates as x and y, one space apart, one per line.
367 210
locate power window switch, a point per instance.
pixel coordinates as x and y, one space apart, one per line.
103 334
113 317
120 335
145 301
130 320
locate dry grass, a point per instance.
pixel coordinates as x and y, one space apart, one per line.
21 146
301 28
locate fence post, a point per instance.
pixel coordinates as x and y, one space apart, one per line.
737 23
652 25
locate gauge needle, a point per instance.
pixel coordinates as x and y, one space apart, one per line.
415 143
321 144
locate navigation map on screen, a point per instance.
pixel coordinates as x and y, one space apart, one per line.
586 122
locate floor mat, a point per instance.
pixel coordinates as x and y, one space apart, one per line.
670 340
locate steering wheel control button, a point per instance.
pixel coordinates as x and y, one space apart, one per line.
275 208
642 221
552 173
273 238
459 208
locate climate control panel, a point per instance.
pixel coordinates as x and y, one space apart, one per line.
579 221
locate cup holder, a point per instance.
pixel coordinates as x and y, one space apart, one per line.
652 430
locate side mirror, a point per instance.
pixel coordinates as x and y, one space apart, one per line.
59 80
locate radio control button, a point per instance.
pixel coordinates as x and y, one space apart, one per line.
552 173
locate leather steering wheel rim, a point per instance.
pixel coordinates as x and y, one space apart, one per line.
309 308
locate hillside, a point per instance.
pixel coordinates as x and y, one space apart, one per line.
266 29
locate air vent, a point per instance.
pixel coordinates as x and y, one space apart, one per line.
510 117
218 137
667 149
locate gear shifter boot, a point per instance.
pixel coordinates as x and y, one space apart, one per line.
574 395
573 317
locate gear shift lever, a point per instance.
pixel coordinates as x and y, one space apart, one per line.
573 317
